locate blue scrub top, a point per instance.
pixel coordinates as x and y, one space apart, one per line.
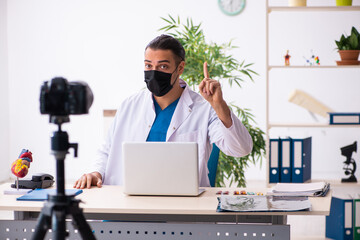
162 121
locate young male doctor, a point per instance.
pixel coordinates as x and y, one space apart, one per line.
168 110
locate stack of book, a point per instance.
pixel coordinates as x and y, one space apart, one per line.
290 160
315 189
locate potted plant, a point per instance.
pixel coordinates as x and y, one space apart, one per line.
224 67
349 48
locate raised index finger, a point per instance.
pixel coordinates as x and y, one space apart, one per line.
206 72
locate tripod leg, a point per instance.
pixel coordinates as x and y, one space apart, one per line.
81 223
42 226
59 224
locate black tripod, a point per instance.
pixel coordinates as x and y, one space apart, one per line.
58 206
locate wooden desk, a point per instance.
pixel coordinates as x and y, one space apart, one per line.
110 203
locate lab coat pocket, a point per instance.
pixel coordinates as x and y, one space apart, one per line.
189 137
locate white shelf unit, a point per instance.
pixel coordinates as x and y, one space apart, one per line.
269 67
310 125
313 67
313 8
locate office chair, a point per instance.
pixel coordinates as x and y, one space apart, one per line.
212 164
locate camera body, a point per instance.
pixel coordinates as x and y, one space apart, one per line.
62 98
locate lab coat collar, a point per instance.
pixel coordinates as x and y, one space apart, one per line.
186 94
182 111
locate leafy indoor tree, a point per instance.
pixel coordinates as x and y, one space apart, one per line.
223 67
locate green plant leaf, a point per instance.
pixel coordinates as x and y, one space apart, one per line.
353 41
354 31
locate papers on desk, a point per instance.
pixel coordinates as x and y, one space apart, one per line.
42 194
316 189
14 191
250 203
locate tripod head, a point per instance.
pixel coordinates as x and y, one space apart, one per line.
60 140
59 148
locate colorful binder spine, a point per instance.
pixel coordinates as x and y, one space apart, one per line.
301 166
339 224
286 160
275 161
356 214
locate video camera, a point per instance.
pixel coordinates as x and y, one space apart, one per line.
62 98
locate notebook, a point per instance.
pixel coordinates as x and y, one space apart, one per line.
42 194
161 168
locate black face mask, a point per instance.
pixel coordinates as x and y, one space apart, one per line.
159 83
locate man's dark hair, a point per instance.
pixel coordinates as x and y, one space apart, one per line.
166 42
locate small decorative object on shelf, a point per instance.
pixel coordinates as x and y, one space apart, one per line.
313 60
287 58
343 2
349 169
317 60
349 48
297 3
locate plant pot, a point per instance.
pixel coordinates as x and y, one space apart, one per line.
347 62
348 57
349 54
297 3
343 2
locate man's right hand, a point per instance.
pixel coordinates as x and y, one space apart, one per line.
89 179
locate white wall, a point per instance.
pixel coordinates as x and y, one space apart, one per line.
102 43
4 94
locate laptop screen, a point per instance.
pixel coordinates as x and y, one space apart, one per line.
160 168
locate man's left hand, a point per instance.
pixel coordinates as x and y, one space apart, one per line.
210 89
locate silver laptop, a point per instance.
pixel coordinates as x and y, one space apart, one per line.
161 168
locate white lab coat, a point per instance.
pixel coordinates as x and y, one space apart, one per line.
194 120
